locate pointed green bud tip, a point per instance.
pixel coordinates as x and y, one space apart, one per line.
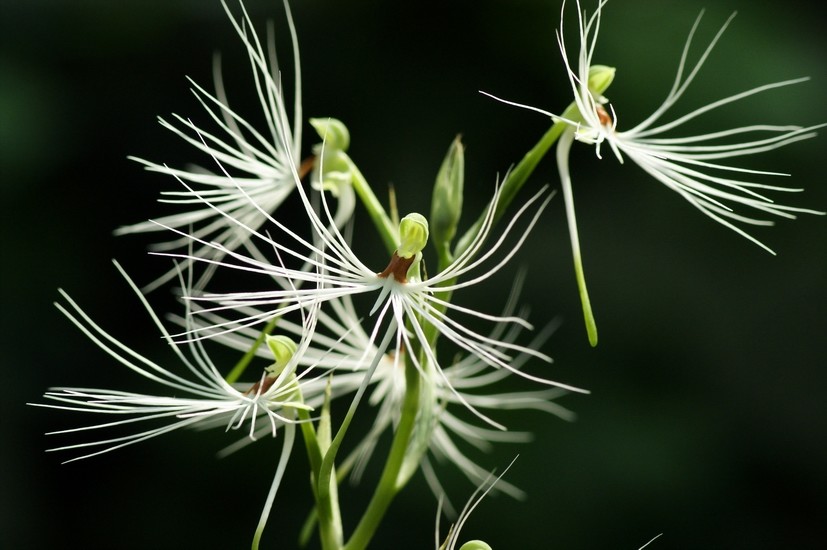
413 235
475 545
333 132
283 349
446 202
600 78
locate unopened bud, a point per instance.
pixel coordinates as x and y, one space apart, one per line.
446 203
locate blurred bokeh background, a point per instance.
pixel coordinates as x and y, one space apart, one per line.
708 418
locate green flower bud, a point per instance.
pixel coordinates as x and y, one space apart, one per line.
413 235
331 171
475 545
283 349
600 78
333 132
446 202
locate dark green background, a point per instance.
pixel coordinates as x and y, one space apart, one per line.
707 417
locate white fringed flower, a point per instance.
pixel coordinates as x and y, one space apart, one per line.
200 397
694 166
197 396
339 343
260 160
408 310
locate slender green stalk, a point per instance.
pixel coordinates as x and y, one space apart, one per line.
329 535
565 178
326 501
314 454
332 521
388 485
514 181
387 229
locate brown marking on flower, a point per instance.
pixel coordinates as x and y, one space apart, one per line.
603 116
261 386
398 267
306 166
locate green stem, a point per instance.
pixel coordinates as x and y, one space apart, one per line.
311 443
388 485
326 500
514 181
387 230
327 515
565 177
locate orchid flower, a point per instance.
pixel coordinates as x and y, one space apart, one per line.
200 397
692 166
262 160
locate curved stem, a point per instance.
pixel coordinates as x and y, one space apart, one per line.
514 181
563 149
387 229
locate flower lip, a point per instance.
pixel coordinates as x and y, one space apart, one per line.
398 267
